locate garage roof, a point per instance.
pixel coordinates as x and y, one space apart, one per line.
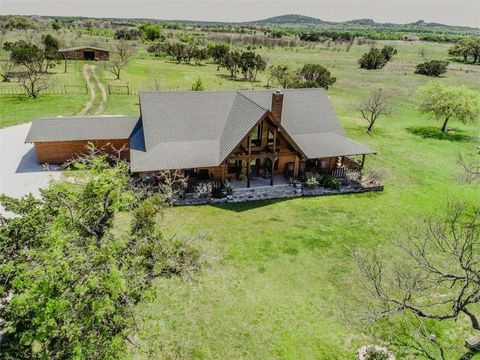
81 128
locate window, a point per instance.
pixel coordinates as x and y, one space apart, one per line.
270 139
234 166
256 135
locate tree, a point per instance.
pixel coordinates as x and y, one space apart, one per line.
433 68
471 168
374 59
69 282
250 64
217 51
6 68
466 48
315 75
374 106
231 62
34 62
445 103
282 75
388 52
152 32
438 275
56 25
51 46
127 34
123 50
115 66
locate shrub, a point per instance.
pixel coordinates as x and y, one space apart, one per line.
203 189
377 59
374 175
432 68
372 60
374 354
330 182
198 85
311 180
228 187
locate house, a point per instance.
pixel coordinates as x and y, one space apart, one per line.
410 37
85 53
226 135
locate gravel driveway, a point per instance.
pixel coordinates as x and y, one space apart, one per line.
19 172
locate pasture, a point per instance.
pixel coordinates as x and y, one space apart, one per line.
281 275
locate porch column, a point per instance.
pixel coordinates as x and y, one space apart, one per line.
249 160
274 158
223 172
273 168
295 171
363 161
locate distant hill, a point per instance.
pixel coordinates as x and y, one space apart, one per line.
294 19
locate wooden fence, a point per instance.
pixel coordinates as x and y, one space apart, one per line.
18 89
127 89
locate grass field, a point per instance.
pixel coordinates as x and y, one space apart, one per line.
281 272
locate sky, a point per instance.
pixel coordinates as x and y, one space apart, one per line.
462 12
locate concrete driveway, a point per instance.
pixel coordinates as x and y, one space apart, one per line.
19 172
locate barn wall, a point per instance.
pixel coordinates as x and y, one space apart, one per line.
78 54
57 152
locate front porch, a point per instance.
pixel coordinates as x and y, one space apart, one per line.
258 182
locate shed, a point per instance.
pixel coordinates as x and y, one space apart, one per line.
85 53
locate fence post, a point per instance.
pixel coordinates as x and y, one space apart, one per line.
109 92
86 88
128 90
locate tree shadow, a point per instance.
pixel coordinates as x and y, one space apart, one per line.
430 132
470 354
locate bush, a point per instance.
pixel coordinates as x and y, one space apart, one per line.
372 60
376 354
198 85
330 182
374 175
432 68
311 180
203 190
376 59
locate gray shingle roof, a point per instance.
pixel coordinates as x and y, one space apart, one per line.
200 129
329 144
75 48
81 128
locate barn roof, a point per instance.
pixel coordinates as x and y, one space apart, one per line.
81 128
82 48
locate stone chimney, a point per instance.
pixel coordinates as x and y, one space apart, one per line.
277 104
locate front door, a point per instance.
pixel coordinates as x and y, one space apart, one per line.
255 168
89 55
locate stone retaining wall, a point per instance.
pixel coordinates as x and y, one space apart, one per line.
276 192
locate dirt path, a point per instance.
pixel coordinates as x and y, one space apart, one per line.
93 82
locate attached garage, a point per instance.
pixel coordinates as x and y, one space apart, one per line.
57 140
85 53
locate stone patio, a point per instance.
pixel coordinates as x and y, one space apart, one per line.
284 191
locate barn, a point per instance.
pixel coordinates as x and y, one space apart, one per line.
58 140
85 53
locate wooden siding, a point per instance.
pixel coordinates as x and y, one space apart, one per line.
57 152
100 55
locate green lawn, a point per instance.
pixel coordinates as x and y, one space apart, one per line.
281 273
